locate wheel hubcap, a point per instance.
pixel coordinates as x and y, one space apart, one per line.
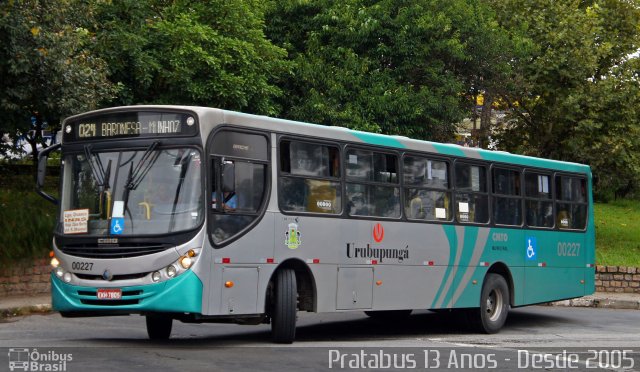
494 305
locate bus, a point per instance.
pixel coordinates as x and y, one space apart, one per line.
206 215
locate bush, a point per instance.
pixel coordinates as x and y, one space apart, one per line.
27 219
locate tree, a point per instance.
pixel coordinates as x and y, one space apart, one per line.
211 53
46 66
397 67
572 93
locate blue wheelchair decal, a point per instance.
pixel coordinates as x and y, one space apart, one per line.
117 225
532 248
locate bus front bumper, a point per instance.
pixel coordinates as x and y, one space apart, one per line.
182 294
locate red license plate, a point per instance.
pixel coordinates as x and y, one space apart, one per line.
109 294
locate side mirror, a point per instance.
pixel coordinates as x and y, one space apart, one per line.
228 176
42 171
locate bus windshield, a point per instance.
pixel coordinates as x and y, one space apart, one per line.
145 192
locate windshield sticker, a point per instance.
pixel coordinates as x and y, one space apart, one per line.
293 236
76 221
117 225
118 208
441 213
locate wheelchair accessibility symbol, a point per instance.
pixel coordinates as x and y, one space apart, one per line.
532 247
117 225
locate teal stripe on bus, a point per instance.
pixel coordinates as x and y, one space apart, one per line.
450 232
378 139
527 161
448 149
468 245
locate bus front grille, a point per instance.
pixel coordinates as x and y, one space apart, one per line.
113 250
115 277
110 302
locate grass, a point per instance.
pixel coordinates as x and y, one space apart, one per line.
618 233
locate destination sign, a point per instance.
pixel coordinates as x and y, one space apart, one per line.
130 124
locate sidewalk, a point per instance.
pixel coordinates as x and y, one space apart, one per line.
606 300
41 303
23 305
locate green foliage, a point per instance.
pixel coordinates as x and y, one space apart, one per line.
573 91
617 236
383 66
210 53
46 66
27 221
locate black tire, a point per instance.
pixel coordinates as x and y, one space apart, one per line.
159 326
283 311
494 305
389 314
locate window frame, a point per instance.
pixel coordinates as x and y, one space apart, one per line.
540 172
557 200
281 174
450 186
398 185
486 193
210 164
494 195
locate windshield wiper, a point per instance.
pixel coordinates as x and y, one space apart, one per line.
184 166
99 174
137 175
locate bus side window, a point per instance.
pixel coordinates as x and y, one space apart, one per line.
372 183
471 193
427 194
571 202
538 200
309 178
507 205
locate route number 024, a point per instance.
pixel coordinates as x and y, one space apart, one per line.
568 249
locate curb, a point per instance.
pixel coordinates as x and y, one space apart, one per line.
25 310
603 303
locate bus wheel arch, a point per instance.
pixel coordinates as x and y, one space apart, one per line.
306 285
501 269
496 296
291 288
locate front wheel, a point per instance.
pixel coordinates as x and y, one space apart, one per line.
284 306
494 305
159 326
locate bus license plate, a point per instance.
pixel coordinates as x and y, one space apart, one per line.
109 294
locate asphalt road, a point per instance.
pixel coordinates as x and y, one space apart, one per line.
534 338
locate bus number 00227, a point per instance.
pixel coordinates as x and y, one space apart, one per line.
568 249
82 266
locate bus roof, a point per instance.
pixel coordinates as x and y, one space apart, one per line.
402 143
350 135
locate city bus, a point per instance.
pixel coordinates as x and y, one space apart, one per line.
206 215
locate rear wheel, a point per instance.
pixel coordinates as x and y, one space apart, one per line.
283 311
159 326
494 305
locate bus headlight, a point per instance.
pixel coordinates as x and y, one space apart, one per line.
186 262
59 272
171 271
176 268
156 276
